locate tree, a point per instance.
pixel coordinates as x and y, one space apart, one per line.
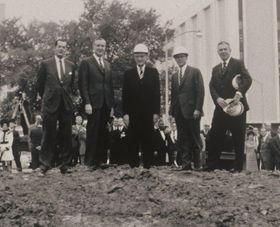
122 26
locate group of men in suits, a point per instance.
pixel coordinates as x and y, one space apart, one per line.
141 106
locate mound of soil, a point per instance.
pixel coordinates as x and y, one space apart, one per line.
120 196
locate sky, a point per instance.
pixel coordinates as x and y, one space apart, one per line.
66 10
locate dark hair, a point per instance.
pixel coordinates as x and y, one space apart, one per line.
12 120
250 133
223 42
59 39
4 121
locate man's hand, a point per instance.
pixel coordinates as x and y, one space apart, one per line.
222 103
236 98
112 112
155 117
126 117
88 109
196 114
38 148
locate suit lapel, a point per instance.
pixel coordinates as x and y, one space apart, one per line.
185 76
278 142
53 62
97 64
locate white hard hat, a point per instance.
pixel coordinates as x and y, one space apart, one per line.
180 50
236 81
233 110
140 48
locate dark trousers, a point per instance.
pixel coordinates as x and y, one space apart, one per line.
16 154
188 140
35 156
141 131
96 151
277 164
220 124
48 144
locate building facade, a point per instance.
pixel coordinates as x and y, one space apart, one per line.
252 29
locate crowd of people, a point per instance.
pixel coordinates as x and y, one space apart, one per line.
140 137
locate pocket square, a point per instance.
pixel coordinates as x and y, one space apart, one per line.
70 73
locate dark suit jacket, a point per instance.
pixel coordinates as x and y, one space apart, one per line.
141 97
274 145
266 152
189 95
95 84
221 85
51 89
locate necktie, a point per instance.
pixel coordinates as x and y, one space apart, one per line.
61 70
100 63
181 75
224 68
141 73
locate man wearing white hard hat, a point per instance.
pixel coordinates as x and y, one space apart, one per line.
141 104
228 86
187 96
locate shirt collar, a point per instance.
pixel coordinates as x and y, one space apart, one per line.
227 61
143 67
97 58
57 59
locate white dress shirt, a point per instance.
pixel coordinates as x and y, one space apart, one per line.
139 69
57 61
183 71
97 59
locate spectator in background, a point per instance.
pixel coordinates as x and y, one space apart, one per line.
123 144
15 146
205 132
161 145
75 139
115 143
269 130
82 139
274 146
174 145
6 141
34 138
267 161
257 139
251 152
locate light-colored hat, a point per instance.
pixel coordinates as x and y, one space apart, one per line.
180 50
140 48
233 110
236 81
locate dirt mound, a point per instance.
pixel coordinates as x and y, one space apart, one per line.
127 197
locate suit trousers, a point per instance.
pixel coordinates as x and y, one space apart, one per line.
16 154
141 131
188 140
35 156
96 149
48 144
220 124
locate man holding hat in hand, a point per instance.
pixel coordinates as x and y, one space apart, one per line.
187 96
141 103
229 98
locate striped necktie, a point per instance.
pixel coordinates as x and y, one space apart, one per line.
224 67
181 76
100 63
141 73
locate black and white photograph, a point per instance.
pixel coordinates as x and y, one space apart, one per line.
139 113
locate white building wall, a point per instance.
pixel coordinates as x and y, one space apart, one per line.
261 57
